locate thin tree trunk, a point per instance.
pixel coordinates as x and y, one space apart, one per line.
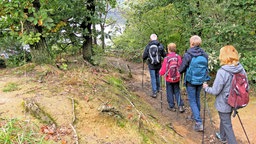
102 36
95 36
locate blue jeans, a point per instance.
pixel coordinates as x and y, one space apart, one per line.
193 92
173 90
155 80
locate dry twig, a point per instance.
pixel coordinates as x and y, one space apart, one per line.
75 135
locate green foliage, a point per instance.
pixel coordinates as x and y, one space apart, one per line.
213 62
64 66
218 23
116 82
121 123
18 59
45 24
31 38
98 54
249 64
15 131
11 87
145 20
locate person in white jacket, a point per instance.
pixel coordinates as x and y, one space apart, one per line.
229 61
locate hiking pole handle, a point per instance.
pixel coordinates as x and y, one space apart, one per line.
205 85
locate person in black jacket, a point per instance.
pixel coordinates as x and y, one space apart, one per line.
153 53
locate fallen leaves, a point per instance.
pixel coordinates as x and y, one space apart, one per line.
55 134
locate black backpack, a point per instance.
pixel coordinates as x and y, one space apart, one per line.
154 54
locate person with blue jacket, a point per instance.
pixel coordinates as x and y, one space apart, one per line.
154 67
229 61
193 91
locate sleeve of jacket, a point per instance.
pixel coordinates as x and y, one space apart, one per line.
163 68
185 63
162 51
218 84
179 60
145 53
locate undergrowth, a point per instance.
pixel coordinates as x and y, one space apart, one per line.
16 131
11 87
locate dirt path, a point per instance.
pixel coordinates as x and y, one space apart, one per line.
184 126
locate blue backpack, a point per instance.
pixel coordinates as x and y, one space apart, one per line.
197 72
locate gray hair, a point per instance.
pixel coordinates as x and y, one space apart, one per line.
153 37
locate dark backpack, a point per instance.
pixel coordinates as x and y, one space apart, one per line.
197 72
239 92
172 69
154 54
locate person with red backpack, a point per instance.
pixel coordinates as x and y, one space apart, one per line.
222 89
170 71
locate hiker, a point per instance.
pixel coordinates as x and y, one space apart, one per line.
229 62
153 53
194 77
170 71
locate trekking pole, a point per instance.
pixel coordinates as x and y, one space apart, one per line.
235 111
142 74
178 105
204 116
209 113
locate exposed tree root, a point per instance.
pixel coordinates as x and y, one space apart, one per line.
33 108
75 135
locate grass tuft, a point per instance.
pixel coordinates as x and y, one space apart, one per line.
15 131
10 87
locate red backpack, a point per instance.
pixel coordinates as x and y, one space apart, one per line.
172 69
239 91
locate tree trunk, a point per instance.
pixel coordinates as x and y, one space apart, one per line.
87 24
95 35
39 51
87 48
102 36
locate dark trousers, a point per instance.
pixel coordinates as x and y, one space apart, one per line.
226 130
173 91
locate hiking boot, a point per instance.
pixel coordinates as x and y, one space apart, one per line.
171 109
198 127
219 138
181 109
154 95
191 117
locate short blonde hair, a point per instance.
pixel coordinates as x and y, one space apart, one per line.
171 47
228 55
195 40
153 37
